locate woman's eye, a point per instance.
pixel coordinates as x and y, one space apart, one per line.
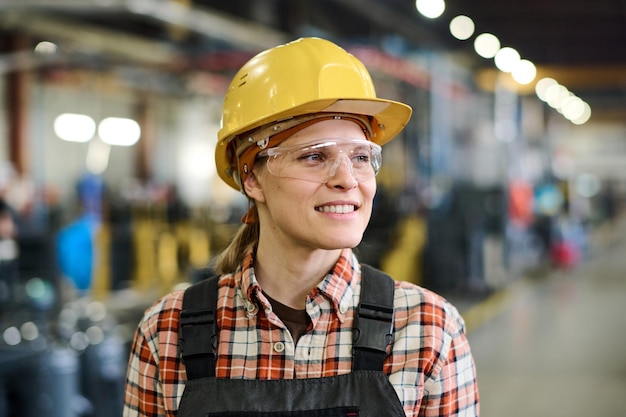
311 157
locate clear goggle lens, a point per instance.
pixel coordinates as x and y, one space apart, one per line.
320 161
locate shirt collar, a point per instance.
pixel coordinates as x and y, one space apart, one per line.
338 285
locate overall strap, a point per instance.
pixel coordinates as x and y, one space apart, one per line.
198 328
373 325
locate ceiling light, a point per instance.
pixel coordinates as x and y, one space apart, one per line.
74 127
573 107
462 27
97 159
542 86
557 96
119 131
46 48
486 45
507 59
430 8
524 72
552 93
584 117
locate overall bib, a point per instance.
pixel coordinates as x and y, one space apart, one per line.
365 392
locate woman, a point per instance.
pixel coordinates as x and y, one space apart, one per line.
301 135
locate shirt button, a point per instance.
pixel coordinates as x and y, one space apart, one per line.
343 309
250 307
279 347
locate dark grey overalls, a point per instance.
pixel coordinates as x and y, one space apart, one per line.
364 392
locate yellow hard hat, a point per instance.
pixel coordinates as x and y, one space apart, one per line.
305 77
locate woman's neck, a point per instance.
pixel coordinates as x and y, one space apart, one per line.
289 275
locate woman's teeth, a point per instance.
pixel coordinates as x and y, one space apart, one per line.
340 208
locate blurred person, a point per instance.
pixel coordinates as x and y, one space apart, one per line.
75 242
9 251
295 330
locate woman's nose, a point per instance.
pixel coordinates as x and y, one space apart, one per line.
341 173
338 164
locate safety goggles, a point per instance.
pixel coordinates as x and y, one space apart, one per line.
319 161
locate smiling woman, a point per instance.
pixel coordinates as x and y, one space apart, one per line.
307 189
293 323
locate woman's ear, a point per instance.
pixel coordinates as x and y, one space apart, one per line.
252 187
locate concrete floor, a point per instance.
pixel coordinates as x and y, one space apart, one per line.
557 345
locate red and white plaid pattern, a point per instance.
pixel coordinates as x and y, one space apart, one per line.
429 364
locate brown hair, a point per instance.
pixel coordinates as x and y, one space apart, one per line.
232 256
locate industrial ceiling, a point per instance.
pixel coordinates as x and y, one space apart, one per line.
579 43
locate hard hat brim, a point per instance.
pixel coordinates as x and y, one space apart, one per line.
390 118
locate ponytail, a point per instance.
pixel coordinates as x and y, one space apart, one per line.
230 258
246 237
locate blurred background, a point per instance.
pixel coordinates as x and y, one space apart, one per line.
512 169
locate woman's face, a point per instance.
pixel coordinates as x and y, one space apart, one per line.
318 215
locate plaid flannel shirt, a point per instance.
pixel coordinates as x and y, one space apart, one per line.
429 363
